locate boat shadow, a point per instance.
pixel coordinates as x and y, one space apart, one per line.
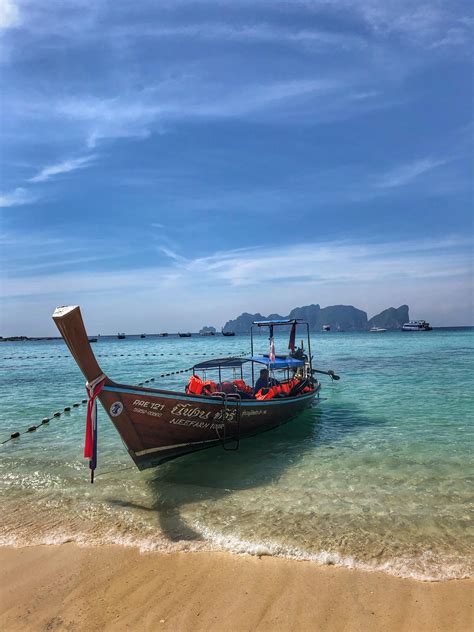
212 474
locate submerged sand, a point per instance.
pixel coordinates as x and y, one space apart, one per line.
66 587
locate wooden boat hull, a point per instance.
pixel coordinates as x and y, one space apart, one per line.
157 425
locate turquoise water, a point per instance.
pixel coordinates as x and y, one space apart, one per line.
378 476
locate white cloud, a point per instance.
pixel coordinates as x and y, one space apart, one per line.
62 167
139 114
332 262
335 264
423 273
9 14
18 197
404 174
256 32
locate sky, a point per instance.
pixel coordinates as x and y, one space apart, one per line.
169 164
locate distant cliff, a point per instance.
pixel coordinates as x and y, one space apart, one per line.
391 318
339 317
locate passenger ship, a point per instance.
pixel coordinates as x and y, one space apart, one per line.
417 325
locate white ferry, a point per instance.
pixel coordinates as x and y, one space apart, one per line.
417 325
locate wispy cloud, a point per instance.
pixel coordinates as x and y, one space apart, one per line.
257 32
185 98
65 166
404 174
369 275
338 261
338 270
9 14
18 197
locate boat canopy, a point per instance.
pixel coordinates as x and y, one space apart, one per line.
278 363
232 363
222 363
283 321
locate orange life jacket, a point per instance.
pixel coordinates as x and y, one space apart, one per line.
195 385
242 386
285 388
268 393
209 387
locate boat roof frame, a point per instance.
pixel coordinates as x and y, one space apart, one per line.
285 362
232 362
280 321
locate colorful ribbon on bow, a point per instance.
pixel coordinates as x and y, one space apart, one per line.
90 444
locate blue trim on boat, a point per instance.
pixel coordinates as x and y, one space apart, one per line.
207 400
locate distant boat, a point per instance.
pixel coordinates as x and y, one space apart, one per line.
417 325
120 336
92 339
142 335
228 333
326 327
164 335
377 330
187 335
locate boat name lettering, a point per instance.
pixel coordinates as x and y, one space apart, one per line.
151 405
251 413
185 410
150 413
195 423
226 415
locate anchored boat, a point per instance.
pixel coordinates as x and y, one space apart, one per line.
157 425
417 325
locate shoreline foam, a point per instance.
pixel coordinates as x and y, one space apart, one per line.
395 567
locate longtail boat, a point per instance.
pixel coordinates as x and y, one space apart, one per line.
157 425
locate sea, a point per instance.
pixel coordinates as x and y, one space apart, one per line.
377 476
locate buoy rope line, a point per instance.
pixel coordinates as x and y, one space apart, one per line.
109 355
67 409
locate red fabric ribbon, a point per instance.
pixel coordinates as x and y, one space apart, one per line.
93 390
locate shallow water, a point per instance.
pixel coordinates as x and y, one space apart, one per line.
378 476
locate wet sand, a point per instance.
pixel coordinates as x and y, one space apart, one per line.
66 587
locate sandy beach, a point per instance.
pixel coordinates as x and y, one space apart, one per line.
67 587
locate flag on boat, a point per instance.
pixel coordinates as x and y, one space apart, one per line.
292 342
272 350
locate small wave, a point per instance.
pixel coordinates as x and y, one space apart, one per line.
426 567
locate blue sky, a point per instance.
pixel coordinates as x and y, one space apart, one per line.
170 164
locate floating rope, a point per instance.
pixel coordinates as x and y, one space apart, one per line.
102 355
